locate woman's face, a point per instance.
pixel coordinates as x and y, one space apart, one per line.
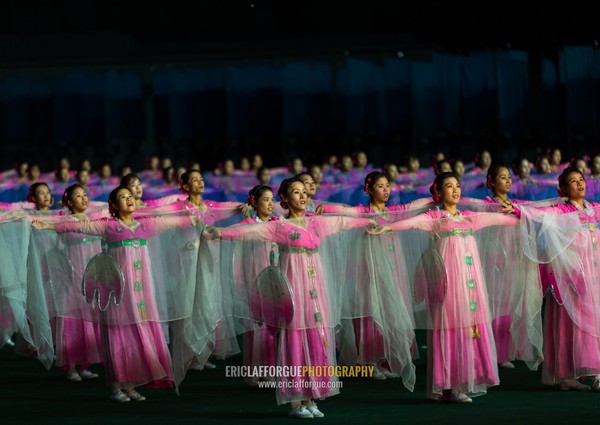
296 197
380 190
228 167
450 191
309 184
544 166
581 165
78 202
136 188
265 176
244 164
64 175
459 168
414 164
83 177
486 159
34 172
524 169
503 182
556 157
297 166
316 173
125 202
195 184
42 198
361 160
23 169
445 167
257 162
596 165
575 186
105 171
346 164
264 204
392 173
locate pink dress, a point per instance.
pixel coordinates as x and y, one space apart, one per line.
570 349
309 339
461 349
501 324
134 346
259 345
77 340
368 336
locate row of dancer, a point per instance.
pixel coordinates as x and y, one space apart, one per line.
297 230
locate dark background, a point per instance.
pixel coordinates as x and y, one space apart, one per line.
53 38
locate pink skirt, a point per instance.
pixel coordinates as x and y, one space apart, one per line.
458 361
569 352
77 343
137 354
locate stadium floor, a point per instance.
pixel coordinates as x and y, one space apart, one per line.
29 394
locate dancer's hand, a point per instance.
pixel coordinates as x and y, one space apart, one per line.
379 230
211 233
41 225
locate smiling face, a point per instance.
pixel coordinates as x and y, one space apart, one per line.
574 186
503 182
125 203
380 191
195 184
264 204
296 197
78 202
42 198
449 193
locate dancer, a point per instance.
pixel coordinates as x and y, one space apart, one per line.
368 336
308 338
461 352
77 340
259 345
135 351
572 316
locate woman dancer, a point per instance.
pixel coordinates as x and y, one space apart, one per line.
309 337
135 351
499 181
461 352
369 340
572 316
259 345
41 196
77 341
